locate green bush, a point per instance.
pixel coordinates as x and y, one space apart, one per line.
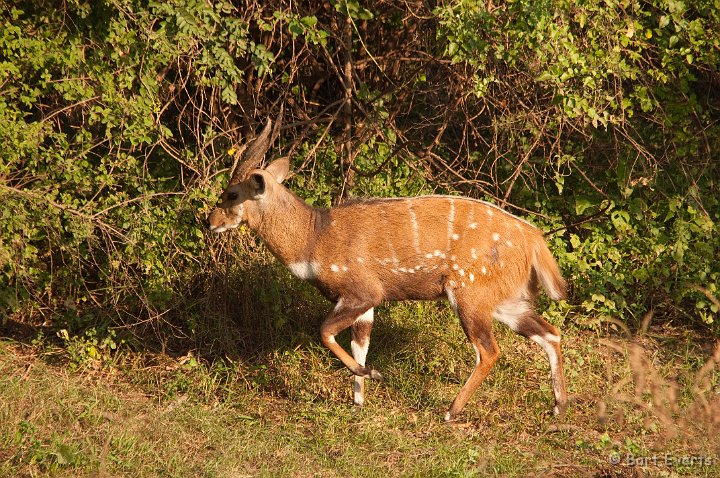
117 118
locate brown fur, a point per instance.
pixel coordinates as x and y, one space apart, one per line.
485 260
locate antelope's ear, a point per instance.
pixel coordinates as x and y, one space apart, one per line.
279 169
257 185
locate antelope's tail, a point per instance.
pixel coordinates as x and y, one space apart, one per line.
548 272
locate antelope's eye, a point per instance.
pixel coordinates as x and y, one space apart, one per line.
232 196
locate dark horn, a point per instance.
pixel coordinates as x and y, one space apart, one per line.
253 155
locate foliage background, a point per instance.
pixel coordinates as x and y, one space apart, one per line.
597 120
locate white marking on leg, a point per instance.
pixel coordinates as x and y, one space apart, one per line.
359 353
548 342
552 338
477 355
450 293
358 395
304 269
511 312
367 316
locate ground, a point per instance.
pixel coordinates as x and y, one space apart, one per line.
645 405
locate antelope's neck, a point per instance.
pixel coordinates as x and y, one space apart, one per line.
288 226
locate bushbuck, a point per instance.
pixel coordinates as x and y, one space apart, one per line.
484 261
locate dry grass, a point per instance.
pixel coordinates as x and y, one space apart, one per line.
286 411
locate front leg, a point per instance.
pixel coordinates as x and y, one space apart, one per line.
344 315
359 345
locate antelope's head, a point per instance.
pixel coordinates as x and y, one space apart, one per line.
249 186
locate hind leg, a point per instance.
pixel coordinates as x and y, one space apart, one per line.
477 324
360 341
522 318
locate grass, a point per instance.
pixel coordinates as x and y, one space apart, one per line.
253 393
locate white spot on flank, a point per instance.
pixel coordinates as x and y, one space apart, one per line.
462 272
344 268
489 211
360 260
473 253
436 253
453 257
402 269
472 277
496 236
334 268
509 243
456 267
455 237
451 221
483 270
428 255
443 256
473 225
415 228
304 269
